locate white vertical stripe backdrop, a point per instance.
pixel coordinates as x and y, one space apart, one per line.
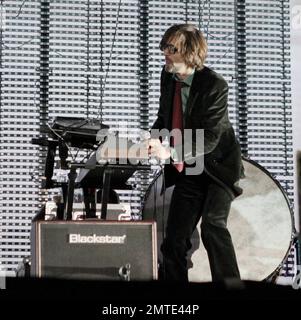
94 61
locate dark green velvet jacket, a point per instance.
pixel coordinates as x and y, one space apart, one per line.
207 108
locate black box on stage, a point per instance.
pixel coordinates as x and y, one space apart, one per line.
104 250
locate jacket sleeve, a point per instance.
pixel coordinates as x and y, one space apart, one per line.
212 124
217 111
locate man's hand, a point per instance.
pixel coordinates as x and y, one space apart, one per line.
157 150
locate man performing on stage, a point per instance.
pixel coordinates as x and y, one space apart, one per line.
195 97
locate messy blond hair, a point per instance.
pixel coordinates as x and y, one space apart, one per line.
189 41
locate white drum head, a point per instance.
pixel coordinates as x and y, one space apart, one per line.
260 223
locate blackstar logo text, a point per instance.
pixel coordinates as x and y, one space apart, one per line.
78 238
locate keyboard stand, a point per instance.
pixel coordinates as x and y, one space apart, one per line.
108 169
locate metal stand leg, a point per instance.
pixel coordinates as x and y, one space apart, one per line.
69 205
90 202
105 192
49 165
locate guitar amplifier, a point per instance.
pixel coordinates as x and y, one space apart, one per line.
103 250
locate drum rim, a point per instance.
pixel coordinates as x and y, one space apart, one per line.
247 159
288 201
157 174
274 274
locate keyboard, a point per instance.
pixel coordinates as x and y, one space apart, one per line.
80 132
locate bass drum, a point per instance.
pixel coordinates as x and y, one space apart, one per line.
260 223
